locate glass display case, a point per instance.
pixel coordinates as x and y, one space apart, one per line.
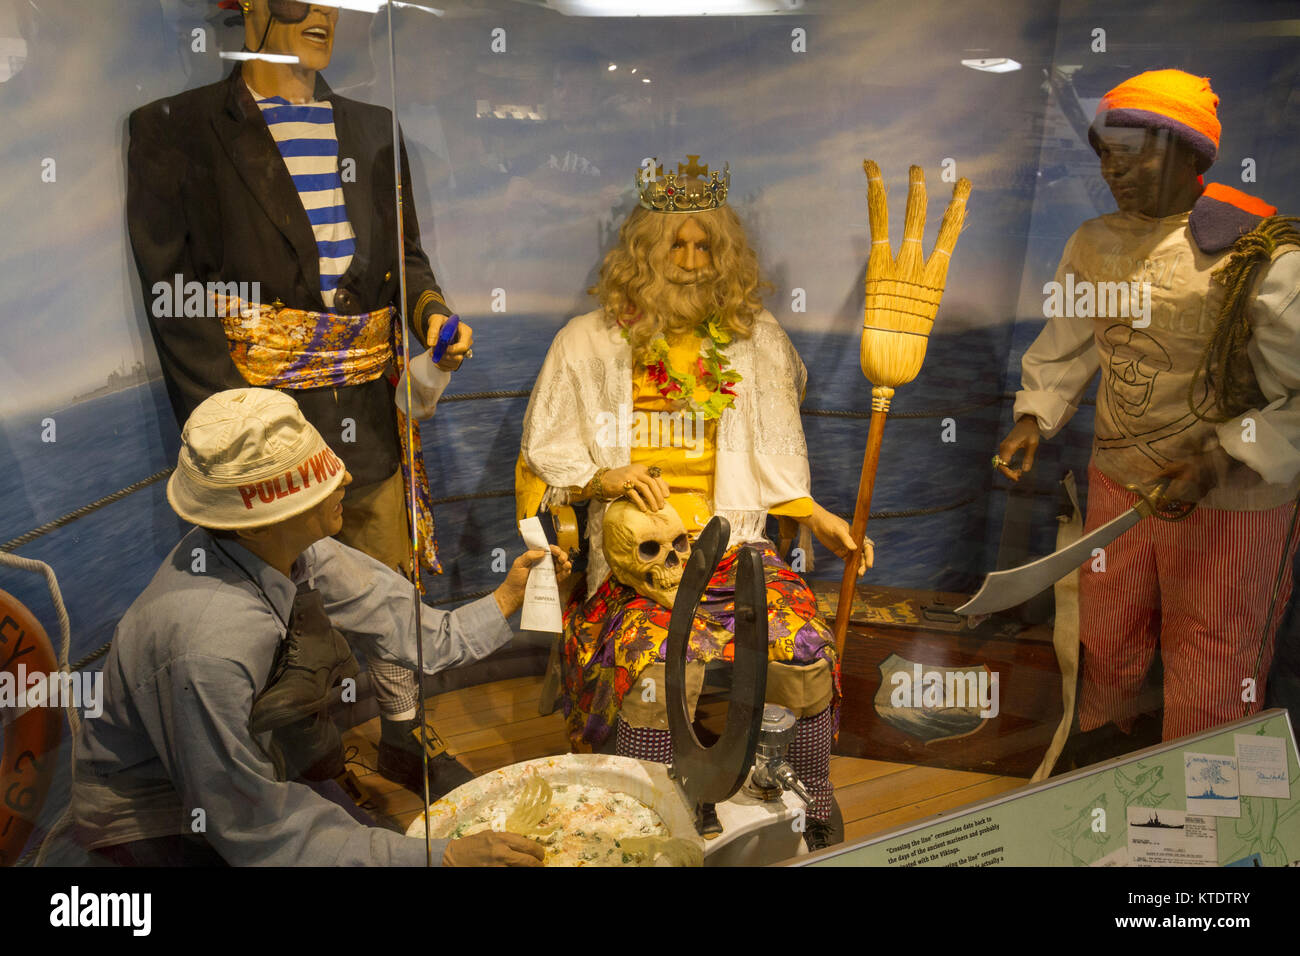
330 321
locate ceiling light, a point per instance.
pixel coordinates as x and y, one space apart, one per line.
992 64
267 57
419 6
674 8
365 6
374 6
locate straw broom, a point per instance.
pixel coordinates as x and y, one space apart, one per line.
902 300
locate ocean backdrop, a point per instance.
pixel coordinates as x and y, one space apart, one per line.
104 559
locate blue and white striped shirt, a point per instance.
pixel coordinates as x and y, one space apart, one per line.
309 144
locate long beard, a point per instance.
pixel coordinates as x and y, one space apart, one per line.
684 305
672 306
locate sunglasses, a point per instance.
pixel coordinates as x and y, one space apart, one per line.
289 11
285 11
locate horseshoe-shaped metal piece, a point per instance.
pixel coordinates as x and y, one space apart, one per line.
713 774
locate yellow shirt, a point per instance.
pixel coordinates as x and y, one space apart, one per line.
682 445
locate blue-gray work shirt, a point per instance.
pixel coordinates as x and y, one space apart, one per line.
188 658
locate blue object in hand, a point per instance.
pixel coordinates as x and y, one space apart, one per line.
446 336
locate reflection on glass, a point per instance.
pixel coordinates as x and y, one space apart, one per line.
184 222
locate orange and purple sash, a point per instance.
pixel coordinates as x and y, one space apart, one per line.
295 348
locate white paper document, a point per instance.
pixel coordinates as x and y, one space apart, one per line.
1261 766
542 594
1211 784
1161 836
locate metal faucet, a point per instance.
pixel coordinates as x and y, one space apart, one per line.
772 772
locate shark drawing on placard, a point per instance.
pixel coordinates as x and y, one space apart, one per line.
1140 789
1080 829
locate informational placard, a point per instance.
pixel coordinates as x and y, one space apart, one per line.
1176 804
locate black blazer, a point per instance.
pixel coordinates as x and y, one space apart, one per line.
209 198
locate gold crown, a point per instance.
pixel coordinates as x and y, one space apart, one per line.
685 190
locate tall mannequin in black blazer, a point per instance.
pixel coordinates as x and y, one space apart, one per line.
210 200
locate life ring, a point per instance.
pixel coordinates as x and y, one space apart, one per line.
30 741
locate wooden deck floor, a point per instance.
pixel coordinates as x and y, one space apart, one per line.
493 725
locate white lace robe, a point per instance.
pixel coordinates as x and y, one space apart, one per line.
762 458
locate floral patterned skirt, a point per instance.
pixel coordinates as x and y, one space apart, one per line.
614 635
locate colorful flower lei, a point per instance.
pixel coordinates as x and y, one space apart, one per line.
711 372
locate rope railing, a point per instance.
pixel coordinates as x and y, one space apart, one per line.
84 510
926 413
810 412
917 512
473 496
882 515
477 396
14 543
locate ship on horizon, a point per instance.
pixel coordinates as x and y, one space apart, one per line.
118 379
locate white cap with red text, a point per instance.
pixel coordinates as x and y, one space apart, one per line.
249 458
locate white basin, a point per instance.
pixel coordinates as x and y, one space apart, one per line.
755 832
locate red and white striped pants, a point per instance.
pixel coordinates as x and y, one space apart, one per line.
1201 587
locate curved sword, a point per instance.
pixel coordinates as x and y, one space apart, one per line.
1004 589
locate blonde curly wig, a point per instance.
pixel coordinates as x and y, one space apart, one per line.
641 289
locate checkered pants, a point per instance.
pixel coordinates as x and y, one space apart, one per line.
643 743
809 754
396 690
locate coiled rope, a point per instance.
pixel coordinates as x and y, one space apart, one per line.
1225 363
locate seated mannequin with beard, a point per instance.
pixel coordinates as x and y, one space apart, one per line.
681 394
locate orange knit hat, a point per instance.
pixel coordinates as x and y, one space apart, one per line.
1165 99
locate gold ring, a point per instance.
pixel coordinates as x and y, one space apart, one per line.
627 485
469 354
655 471
998 462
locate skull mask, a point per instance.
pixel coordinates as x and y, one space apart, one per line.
646 551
